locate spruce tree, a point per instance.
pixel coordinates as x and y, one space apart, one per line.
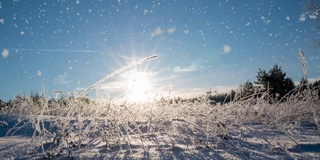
275 81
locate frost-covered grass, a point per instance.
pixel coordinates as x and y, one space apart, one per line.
254 127
163 129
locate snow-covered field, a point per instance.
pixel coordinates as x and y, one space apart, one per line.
160 130
159 146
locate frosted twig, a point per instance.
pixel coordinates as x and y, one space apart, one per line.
117 72
303 65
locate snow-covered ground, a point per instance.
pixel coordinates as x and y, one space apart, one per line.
159 131
159 146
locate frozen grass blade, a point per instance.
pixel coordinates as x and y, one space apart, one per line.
303 65
117 72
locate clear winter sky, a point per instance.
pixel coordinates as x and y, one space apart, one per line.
71 44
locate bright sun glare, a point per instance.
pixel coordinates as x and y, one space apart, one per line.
138 86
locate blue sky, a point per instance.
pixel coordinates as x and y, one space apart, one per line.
69 45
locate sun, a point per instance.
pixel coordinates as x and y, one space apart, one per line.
138 86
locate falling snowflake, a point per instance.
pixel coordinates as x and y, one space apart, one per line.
5 53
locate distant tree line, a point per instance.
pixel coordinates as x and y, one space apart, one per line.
274 83
36 100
